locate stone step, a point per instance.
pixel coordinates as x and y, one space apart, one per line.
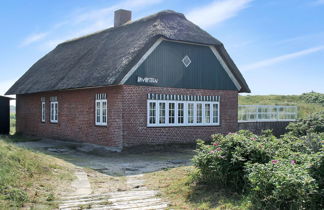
139 201
86 199
119 193
130 198
118 197
139 205
81 203
153 207
132 192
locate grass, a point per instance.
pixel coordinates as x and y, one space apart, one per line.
304 108
30 180
178 187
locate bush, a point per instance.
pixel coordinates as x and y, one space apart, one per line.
285 173
314 123
313 97
223 161
281 184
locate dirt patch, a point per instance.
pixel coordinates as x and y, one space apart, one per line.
133 160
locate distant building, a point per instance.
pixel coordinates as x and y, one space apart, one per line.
160 79
4 115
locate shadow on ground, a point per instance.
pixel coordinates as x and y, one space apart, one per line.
133 161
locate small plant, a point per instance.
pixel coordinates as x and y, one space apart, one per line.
50 197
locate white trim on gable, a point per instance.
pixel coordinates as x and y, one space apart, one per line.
228 71
133 69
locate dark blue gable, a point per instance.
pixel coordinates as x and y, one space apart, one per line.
164 68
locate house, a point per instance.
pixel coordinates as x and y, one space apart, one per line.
4 115
160 79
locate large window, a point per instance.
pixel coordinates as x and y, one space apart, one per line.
43 107
101 109
54 110
163 112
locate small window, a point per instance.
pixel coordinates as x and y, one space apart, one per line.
54 112
186 61
101 109
43 116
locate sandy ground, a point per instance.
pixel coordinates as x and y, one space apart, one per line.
132 162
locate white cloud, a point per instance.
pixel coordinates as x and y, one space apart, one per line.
84 21
318 2
33 38
217 12
282 58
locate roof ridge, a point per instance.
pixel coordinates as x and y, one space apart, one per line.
146 18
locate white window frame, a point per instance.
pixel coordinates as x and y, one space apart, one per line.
43 111
102 116
186 117
54 112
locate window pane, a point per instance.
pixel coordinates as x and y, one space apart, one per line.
104 112
152 112
180 113
207 113
162 113
52 111
43 111
199 113
215 113
171 112
56 111
98 105
190 113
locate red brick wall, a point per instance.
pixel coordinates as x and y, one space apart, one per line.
136 132
76 116
127 114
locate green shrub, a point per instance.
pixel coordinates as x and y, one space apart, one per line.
313 97
281 184
317 172
223 162
314 123
276 173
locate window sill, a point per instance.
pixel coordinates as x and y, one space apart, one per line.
174 126
102 125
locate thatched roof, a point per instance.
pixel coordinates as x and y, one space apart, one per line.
104 58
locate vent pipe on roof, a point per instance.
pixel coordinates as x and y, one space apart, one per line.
122 16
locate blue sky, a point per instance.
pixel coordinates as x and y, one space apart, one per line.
277 44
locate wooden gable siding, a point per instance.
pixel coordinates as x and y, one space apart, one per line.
165 65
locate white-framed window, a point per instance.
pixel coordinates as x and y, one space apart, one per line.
162 113
43 108
54 110
101 109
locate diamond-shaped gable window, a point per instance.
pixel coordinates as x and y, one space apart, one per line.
186 61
